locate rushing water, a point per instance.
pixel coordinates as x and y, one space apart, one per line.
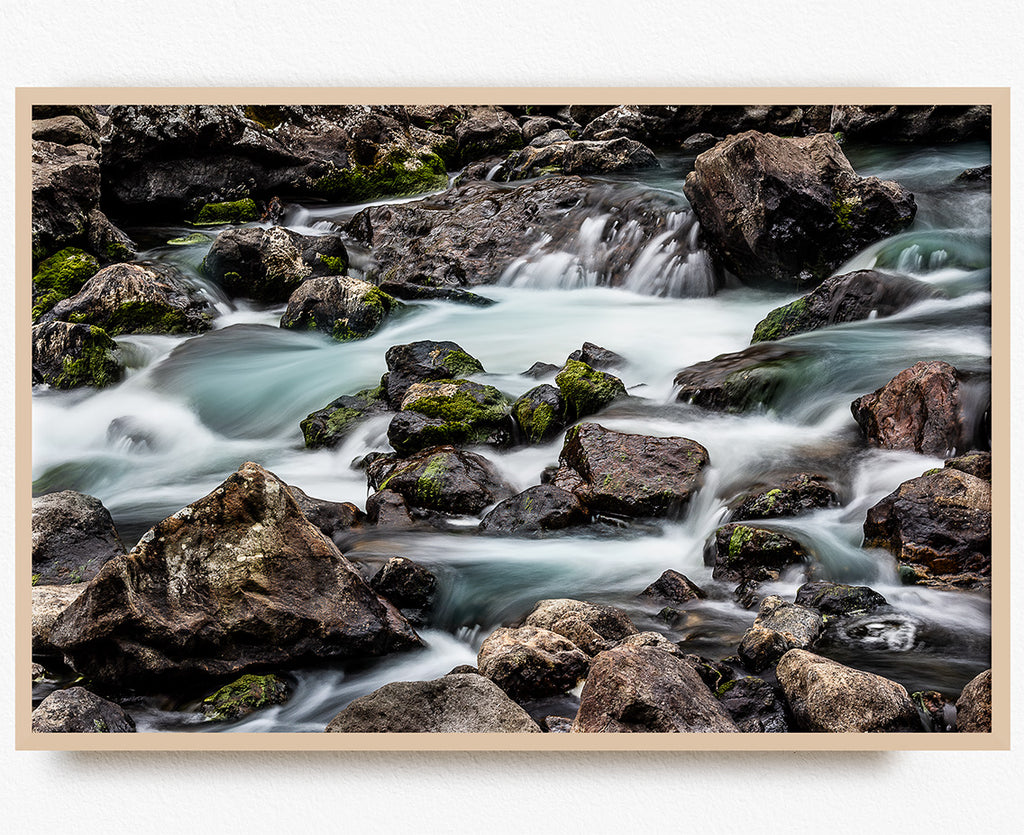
191 410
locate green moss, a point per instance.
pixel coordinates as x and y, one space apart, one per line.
780 322
100 726
247 694
843 209
484 404
537 421
586 390
431 482
266 116
772 496
233 211
461 364
336 265
96 364
190 240
741 535
397 174
725 688
143 316
59 277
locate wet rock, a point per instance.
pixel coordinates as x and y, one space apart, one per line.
787 212
674 587
754 705
67 356
540 370
557 724
646 690
779 627
108 242
585 390
839 599
211 591
971 176
578 157
535 511
48 602
912 123
60 276
141 297
939 528
65 189
938 714
441 478
72 537
269 265
844 298
745 552
748 594
344 307
405 583
699 142
791 496
335 519
79 711
920 409
462 703
38 672
329 426
538 126
530 663
486 131
615 123
631 475
974 707
756 377
450 412
550 138
423 361
593 628
83 112
652 639
387 509
828 697
244 696
978 464
540 413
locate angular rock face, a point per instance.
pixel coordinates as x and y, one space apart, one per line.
674 587
973 463
578 157
792 496
779 627
76 710
839 599
591 627
534 511
456 703
900 123
754 705
72 537
530 663
486 131
450 412
742 381
422 361
585 390
920 409
632 475
844 298
828 697
647 690
388 509
405 583
344 307
939 527
48 603
238 579
67 356
787 212
974 707
596 357
743 552
335 519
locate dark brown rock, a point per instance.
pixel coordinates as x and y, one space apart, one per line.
674 587
578 157
422 361
779 627
593 628
754 705
405 583
839 599
535 511
800 493
78 711
974 707
754 378
387 509
912 123
530 663
72 537
67 356
335 519
344 307
978 464
48 603
745 552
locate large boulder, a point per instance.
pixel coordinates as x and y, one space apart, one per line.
60 276
419 362
578 157
592 627
67 356
456 703
631 475
335 519
485 131
585 390
450 412
48 604
844 298
978 464
974 707
912 123
828 697
72 537
745 552
788 211
791 496
237 580
647 690
939 528
330 425
779 627
754 378
344 307
530 663
79 711
534 512
65 129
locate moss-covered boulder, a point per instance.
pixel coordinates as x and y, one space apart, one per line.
393 173
329 426
791 496
585 390
229 211
244 696
345 308
540 414
60 276
743 552
419 362
757 377
451 412
67 356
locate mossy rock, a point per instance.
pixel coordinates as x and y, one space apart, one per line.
449 412
744 552
244 696
329 426
232 211
396 174
66 356
540 414
59 277
193 239
586 390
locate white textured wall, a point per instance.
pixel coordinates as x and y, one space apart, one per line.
513 42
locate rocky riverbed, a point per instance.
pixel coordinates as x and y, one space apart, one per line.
522 419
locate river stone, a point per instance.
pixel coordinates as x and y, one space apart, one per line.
974 707
745 552
67 356
779 627
975 176
739 382
939 527
646 690
459 703
329 426
540 413
534 511
245 695
578 157
593 628
827 697
439 412
486 131
64 130
530 663
928 124
675 588
59 277
441 478
585 390
143 297
754 705
387 509
978 464
631 475
407 584
335 519
240 579
919 409
72 537
785 212
48 603
79 711
655 640
108 242
344 307
800 493
596 357
540 370
839 599
844 298
86 113
420 362
65 189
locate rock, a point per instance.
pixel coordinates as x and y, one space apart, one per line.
549 138
346 308
539 370
937 714
387 509
540 414
329 426
971 176
779 627
617 122
538 126
827 697
744 552
72 537
974 707
108 242
420 362
244 696
64 130
48 602
535 511
143 297
839 599
713 673
461 703
844 298
631 475
978 464
450 412
782 212
912 123
530 663
38 672
756 377
791 496
699 142
557 724
335 519
229 211
441 478
83 112
67 356
646 690
269 265
65 189
578 157
60 276
652 639
591 627
585 391
674 587
748 594
920 409
596 357
240 579
408 585
939 527
486 131
78 711
754 705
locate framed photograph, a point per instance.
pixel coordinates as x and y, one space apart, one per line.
543 419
